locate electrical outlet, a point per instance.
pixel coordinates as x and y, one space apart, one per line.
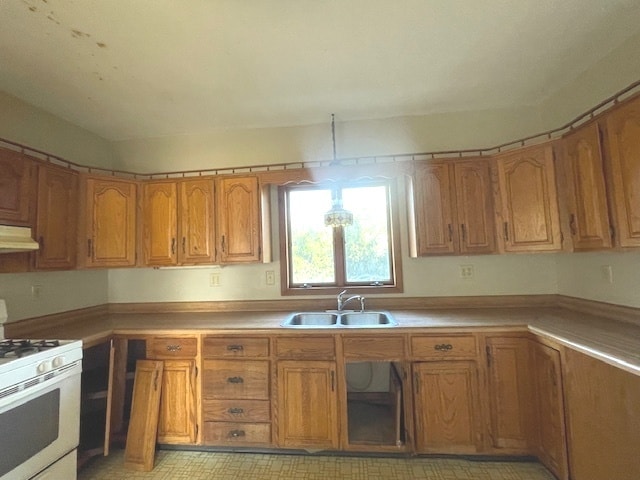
214 280
270 277
607 273
466 272
36 291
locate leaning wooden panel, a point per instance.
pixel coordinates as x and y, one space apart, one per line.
143 427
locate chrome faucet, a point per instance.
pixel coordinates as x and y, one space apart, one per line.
342 302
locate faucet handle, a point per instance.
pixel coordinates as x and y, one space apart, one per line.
361 303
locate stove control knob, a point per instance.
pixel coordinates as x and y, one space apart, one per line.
58 362
44 367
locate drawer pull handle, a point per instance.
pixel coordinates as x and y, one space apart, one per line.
236 433
235 380
236 411
174 348
443 347
235 348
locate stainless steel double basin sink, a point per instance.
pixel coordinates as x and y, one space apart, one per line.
337 319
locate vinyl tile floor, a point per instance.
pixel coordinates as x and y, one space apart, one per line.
184 465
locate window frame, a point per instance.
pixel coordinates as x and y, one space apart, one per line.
395 286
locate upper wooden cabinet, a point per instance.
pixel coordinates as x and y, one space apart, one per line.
110 237
239 220
585 189
17 188
623 133
178 220
56 227
454 208
528 200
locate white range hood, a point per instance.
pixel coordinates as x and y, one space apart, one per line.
16 239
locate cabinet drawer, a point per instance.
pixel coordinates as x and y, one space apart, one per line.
236 379
172 347
370 347
236 410
443 346
307 347
228 433
235 347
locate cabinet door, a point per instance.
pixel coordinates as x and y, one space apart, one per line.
111 223
307 404
446 407
474 206
17 188
552 450
529 202
434 210
56 228
239 220
510 398
586 194
177 422
623 130
159 224
196 222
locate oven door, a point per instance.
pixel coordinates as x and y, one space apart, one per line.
40 424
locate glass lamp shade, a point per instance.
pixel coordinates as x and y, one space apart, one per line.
338 216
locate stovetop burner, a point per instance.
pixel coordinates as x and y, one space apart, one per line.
23 348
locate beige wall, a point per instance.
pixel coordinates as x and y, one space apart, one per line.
570 274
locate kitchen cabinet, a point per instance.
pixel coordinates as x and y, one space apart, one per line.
109 239
307 395
307 404
585 189
447 412
177 422
178 221
454 208
239 219
17 188
236 398
623 133
551 435
511 404
527 196
57 218
603 418
447 418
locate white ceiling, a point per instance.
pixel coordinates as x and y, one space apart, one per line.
143 68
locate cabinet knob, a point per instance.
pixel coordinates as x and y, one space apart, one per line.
235 380
174 348
236 433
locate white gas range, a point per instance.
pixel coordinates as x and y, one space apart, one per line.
39 407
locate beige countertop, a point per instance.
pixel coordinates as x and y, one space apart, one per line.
615 342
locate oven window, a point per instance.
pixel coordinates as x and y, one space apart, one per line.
28 429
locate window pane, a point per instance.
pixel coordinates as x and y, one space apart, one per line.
367 240
311 241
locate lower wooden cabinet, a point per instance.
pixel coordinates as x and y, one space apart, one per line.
447 415
236 391
177 421
307 404
551 447
603 419
511 401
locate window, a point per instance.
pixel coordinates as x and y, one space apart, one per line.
322 259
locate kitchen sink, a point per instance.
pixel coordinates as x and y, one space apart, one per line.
311 319
336 319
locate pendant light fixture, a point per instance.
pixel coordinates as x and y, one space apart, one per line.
337 216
